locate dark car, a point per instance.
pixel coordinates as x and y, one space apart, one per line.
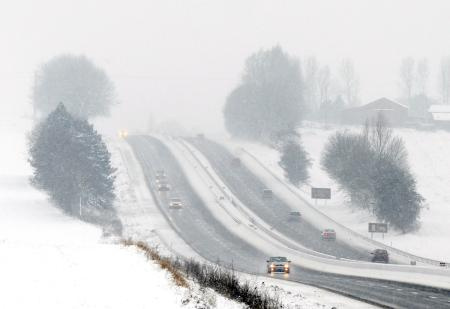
380 256
278 264
294 216
267 194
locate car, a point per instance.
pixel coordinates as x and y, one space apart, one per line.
380 256
267 194
175 203
294 216
328 234
161 173
163 186
278 264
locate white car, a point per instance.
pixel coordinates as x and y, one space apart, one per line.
175 203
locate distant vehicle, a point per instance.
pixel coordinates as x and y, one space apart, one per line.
278 264
123 133
294 216
328 234
236 162
160 178
201 136
163 186
160 173
175 203
380 256
267 194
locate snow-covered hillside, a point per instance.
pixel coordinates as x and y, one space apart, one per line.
429 158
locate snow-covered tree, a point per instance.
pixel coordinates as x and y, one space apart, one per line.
295 162
269 98
71 163
372 168
395 195
84 88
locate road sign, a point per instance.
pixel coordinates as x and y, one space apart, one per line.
378 228
321 193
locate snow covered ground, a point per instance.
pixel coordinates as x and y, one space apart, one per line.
50 260
429 158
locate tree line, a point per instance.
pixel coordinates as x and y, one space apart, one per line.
268 106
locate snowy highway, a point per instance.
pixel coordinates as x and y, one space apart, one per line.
274 211
212 240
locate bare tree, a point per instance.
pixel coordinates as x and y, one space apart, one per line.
423 73
407 77
350 82
311 68
444 80
324 84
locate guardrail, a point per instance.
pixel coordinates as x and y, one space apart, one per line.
405 254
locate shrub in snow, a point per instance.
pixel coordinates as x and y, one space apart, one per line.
372 167
295 162
71 163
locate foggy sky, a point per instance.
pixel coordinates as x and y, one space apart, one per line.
179 59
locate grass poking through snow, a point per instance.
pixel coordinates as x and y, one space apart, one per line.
223 281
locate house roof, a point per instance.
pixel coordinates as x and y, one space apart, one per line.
380 104
439 108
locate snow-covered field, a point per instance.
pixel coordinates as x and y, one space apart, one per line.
429 158
50 260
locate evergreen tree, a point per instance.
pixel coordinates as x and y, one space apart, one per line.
71 163
295 162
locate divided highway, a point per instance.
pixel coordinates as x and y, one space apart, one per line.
249 189
213 241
